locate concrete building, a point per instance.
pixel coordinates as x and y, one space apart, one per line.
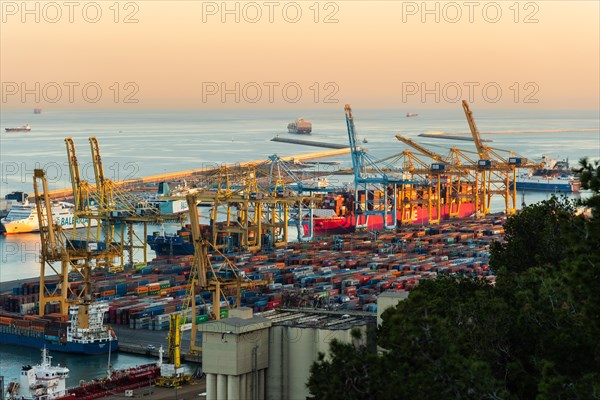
235 356
388 299
269 356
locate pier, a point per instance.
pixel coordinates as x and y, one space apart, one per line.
310 143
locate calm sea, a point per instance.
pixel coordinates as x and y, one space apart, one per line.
138 143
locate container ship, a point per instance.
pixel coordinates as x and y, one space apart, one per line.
23 218
300 126
45 381
334 217
179 244
81 332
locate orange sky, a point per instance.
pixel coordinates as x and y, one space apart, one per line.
377 54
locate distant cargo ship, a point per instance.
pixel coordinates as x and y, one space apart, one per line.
23 218
409 114
59 332
300 126
37 110
24 128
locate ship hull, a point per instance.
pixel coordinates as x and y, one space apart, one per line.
300 131
165 246
38 342
24 226
165 249
17 130
340 225
545 186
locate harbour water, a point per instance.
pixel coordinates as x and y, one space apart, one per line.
138 143
80 367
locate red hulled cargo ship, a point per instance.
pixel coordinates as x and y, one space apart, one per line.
337 215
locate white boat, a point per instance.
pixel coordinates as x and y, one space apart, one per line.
23 218
43 381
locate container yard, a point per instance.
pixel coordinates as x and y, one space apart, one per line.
343 272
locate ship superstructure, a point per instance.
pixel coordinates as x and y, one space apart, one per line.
43 381
300 126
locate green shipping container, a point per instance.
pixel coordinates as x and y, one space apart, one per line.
202 318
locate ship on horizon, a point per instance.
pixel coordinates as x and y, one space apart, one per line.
300 126
410 114
24 128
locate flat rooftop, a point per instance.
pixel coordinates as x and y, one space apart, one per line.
333 320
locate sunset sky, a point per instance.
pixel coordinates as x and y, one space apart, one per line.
181 54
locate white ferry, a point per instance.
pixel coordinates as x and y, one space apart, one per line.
22 218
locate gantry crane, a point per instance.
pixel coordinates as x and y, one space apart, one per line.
207 277
375 191
458 168
115 211
495 172
75 254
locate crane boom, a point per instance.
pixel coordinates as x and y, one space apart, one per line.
75 175
481 149
420 148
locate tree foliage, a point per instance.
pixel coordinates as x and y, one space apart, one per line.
534 335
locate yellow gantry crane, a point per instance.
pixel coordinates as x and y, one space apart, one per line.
496 173
114 210
209 278
76 254
456 167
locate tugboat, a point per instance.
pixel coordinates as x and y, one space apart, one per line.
24 128
300 126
